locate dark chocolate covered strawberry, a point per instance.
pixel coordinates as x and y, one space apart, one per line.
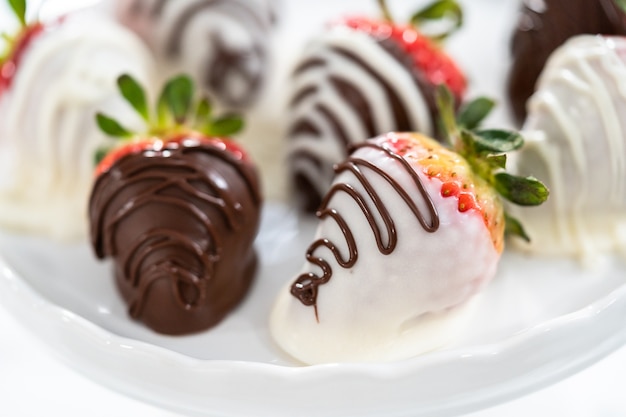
360 78
177 209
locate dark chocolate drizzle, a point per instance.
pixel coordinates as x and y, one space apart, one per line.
541 30
306 286
179 224
357 101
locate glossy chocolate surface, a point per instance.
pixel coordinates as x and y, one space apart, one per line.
179 224
544 25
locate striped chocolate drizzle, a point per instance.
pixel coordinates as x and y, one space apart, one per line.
177 178
306 286
318 121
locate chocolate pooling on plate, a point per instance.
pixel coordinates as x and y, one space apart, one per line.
545 25
179 224
305 288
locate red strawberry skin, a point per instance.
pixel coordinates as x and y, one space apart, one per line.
8 67
157 144
474 196
436 66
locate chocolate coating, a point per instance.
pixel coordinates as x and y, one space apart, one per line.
545 25
358 101
179 224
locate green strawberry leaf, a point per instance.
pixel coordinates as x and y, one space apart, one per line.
474 112
224 126
497 161
203 112
100 154
495 140
440 10
19 8
176 98
134 95
111 127
524 191
514 228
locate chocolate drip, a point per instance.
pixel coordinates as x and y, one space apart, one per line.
541 30
179 224
306 286
354 97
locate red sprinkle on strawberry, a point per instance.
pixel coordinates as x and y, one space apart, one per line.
178 119
425 50
472 170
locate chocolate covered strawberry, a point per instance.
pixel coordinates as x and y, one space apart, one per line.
16 45
409 233
54 75
177 209
360 78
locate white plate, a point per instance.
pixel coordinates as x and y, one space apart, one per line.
539 321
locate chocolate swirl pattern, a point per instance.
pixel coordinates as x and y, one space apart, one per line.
305 288
576 128
179 224
348 87
222 43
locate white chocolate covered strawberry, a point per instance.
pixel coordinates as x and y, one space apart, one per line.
55 76
409 232
576 141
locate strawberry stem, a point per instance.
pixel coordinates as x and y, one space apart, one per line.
177 113
19 9
382 4
484 150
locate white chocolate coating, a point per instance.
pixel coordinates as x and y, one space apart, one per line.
369 69
576 144
394 306
223 44
48 132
